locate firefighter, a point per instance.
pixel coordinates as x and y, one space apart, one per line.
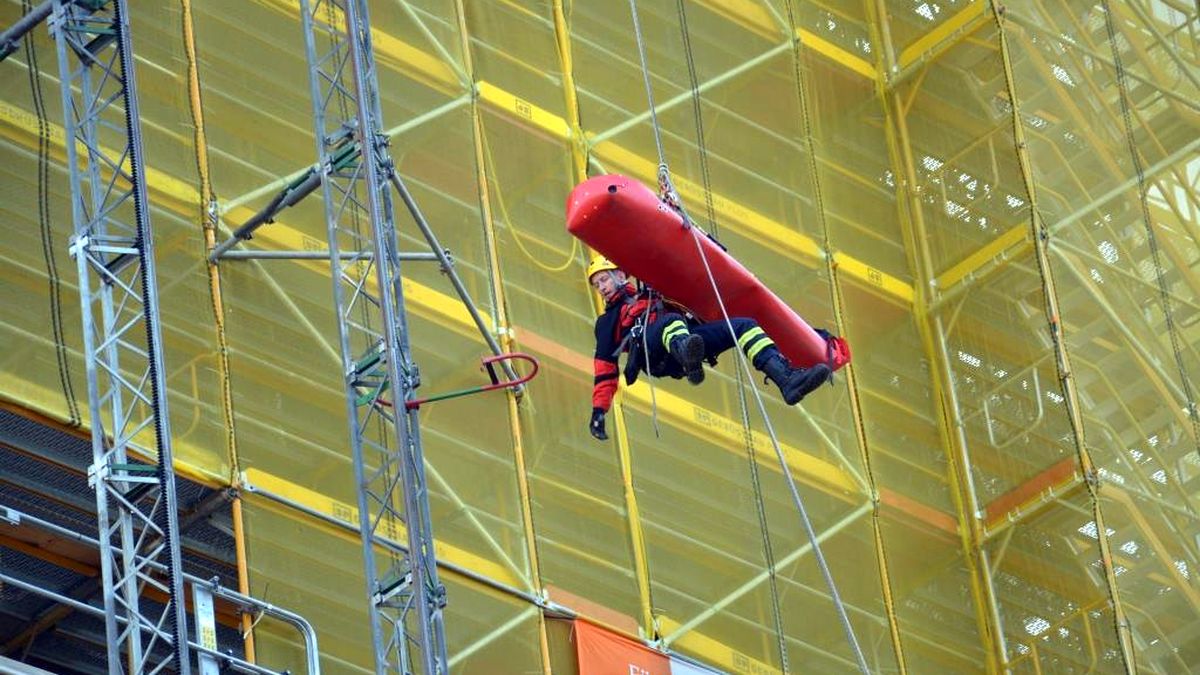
664 336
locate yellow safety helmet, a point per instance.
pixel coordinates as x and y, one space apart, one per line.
599 264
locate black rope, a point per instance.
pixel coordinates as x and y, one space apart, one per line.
763 525
698 115
1046 277
747 433
47 233
827 243
1148 222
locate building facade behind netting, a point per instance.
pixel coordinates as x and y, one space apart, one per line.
996 204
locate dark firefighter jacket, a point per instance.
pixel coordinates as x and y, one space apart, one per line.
613 336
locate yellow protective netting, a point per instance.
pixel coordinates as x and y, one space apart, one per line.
41 304
316 570
990 212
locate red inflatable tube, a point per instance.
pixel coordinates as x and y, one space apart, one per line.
631 226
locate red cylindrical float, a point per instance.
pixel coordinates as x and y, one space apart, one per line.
629 224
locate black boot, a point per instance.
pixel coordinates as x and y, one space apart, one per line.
688 351
794 383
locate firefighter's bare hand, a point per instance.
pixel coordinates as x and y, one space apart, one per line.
596 426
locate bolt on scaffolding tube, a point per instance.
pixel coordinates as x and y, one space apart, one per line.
112 244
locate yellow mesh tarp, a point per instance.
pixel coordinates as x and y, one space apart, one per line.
998 212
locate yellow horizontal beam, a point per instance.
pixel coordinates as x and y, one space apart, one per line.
714 652
758 227
1038 490
756 19
389 50
748 14
393 531
21 126
872 278
516 106
836 54
444 310
1015 238
426 68
935 41
730 434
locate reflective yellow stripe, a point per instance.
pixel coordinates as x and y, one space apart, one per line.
759 346
744 339
667 337
673 330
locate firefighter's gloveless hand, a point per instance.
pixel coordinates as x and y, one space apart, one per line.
596 426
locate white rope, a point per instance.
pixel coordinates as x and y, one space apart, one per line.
665 188
637 32
787 474
668 193
662 171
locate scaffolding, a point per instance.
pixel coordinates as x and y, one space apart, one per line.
113 246
136 504
209 659
995 203
357 174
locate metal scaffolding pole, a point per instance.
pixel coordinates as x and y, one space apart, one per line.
12 35
308 634
405 596
136 505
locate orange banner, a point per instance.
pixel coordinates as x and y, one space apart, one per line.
605 653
